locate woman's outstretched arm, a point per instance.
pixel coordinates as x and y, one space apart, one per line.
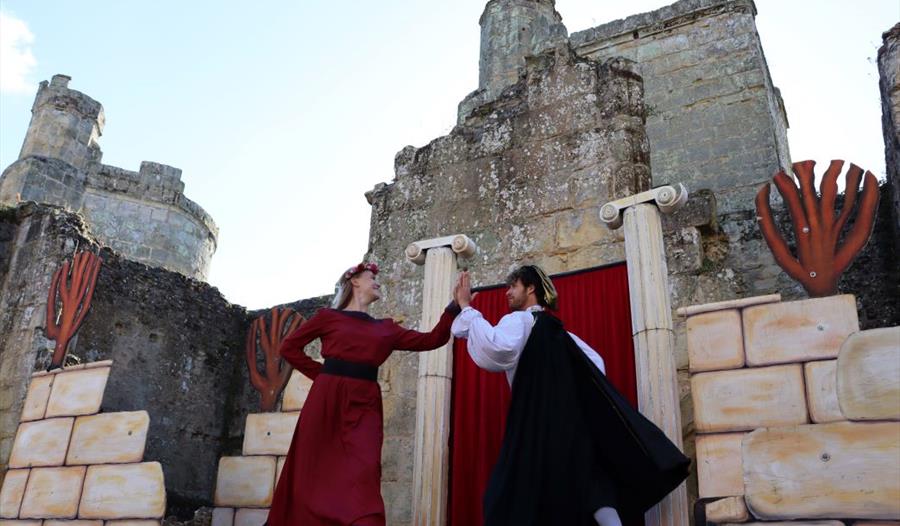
410 340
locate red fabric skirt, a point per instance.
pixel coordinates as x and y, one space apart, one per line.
332 475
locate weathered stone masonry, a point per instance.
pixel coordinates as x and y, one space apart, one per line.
524 177
33 242
556 129
714 118
714 121
177 345
889 69
143 215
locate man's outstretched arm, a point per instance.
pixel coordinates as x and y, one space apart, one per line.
493 348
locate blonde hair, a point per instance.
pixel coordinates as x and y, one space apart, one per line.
343 292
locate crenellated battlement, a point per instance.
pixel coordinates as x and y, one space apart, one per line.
143 214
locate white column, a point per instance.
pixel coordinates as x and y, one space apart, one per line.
433 395
654 343
651 322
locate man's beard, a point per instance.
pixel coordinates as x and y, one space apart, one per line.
515 304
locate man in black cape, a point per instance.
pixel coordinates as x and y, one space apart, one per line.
574 451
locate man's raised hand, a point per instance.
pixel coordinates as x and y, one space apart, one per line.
463 290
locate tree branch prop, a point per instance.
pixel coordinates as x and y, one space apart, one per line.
272 381
72 287
820 260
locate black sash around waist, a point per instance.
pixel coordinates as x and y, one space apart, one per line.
359 371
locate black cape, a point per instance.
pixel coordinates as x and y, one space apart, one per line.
573 444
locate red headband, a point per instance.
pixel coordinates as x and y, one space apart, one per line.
352 271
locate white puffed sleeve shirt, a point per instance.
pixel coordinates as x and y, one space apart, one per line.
499 348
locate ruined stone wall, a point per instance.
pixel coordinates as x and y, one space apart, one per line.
510 31
146 216
177 344
34 240
714 119
143 215
717 124
8 227
889 69
524 177
738 263
178 349
65 125
43 180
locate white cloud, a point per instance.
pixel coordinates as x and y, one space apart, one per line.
16 60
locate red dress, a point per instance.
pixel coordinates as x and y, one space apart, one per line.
332 475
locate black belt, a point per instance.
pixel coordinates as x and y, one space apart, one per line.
359 371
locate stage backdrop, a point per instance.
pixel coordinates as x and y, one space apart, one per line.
592 304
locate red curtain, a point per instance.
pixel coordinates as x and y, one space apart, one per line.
592 304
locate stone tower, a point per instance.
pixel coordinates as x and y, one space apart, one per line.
510 31
60 143
143 215
65 124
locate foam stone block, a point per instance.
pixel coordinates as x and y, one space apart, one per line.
245 481
12 492
269 433
868 375
720 471
41 443
124 491
78 392
715 341
109 438
798 331
37 397
841 469
295 392
52 493
745 399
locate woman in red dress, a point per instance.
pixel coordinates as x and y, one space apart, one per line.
332 475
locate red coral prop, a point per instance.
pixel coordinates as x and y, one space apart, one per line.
73 291
820 260
271 383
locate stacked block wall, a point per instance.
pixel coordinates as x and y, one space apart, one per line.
773 386
245 484
71 462
34 240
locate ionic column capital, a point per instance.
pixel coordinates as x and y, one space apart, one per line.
667 198
460 244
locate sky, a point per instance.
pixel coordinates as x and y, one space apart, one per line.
282 114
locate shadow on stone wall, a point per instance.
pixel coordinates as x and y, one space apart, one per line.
874 277
177 351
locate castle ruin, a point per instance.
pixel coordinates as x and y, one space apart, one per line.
143 215
559 125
